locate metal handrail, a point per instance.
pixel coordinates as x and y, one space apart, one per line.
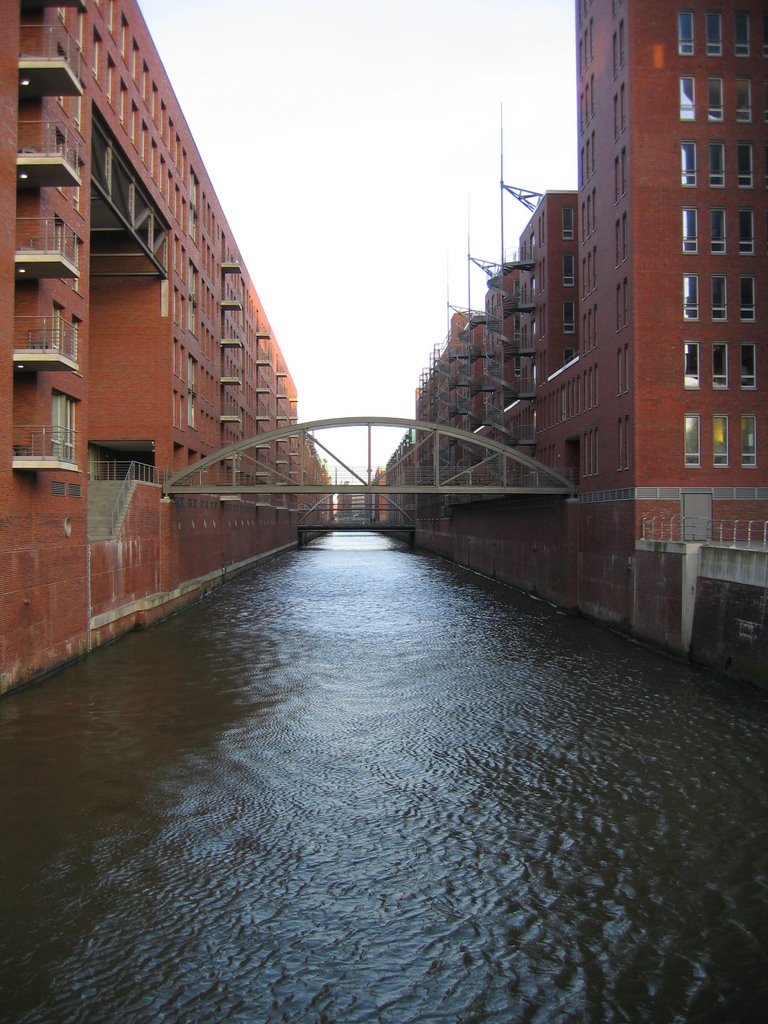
46 234
50 42
731 532
46 334
48 138
43 441
129 473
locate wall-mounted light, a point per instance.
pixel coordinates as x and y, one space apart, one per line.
25 81
23 175
22 270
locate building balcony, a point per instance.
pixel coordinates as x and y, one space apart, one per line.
518 304
520 433
230 413
519 346
48 156
35 5
43 447
50 62
231 267
232 337
520 388
231 304
263 335
45 247
231 382
44 343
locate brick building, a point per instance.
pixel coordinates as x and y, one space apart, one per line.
635 312
133 336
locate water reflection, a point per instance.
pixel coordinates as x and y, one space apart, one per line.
361 785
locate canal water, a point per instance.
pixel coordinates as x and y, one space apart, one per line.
360 784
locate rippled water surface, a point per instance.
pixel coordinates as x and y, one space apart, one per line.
359 784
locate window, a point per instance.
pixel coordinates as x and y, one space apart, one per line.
567 222
96 55
747 298
746 233
622 51
192 293
744 164
719 297
624 237
765 35
690 230
765 99
720 440
688 163
748 441
569 317
743 99
685 33
622 108
717 230
716 164
719 365
62 426
692 441
569 269
748 377
191 392
741 35
714 35
687 100
691 377
715 99
110 79
690 297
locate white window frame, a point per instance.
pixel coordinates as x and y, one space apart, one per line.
692 433
690 229
688 164
714 29
685 44
691 365
719 373
717 230
714 98
748 440
717 175
719 301
748 369
690 296
720 440
687 98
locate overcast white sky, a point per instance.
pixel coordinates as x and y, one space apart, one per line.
346 141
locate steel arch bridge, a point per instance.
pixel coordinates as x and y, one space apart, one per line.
430 459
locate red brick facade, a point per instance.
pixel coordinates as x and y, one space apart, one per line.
650 390
134 332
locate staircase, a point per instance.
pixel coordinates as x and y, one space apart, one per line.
102 497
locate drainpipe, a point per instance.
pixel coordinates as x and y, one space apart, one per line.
88 593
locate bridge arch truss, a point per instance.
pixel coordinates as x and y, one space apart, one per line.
430 459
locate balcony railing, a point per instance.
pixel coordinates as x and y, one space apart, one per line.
231 413
44 343
232 336
38 446
45 247
50 62
729 532
48 155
